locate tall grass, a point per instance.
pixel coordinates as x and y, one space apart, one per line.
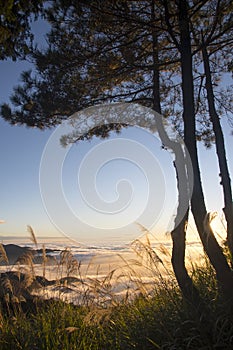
155 318
162 321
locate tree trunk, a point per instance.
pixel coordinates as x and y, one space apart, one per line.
221 152
187 287
185 283
210 244
189 291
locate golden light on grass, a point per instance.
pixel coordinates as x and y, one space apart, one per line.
32 235
3 255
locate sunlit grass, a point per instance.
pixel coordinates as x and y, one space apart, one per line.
148 316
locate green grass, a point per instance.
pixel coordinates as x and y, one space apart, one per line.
161 321
157 320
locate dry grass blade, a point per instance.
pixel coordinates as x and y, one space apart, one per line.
143 229
44 259
3 255
7 285
32 234
28 279
27 259
71 329
68 262
146 251
15 299
207 221
164 251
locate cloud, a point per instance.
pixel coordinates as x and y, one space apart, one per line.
2 221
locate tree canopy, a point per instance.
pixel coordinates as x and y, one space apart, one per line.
15 29
104 52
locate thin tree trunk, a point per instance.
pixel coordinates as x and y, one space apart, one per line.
189 291
185 283
210 244
187 287
221 152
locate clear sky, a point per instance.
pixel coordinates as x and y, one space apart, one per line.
21 151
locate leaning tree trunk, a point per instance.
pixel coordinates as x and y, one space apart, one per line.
221 152
178 234
185 282
210 244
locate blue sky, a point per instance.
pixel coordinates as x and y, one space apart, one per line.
21 150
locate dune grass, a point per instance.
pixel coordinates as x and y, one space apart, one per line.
160 319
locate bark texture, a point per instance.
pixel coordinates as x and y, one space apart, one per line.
210 244
220 150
